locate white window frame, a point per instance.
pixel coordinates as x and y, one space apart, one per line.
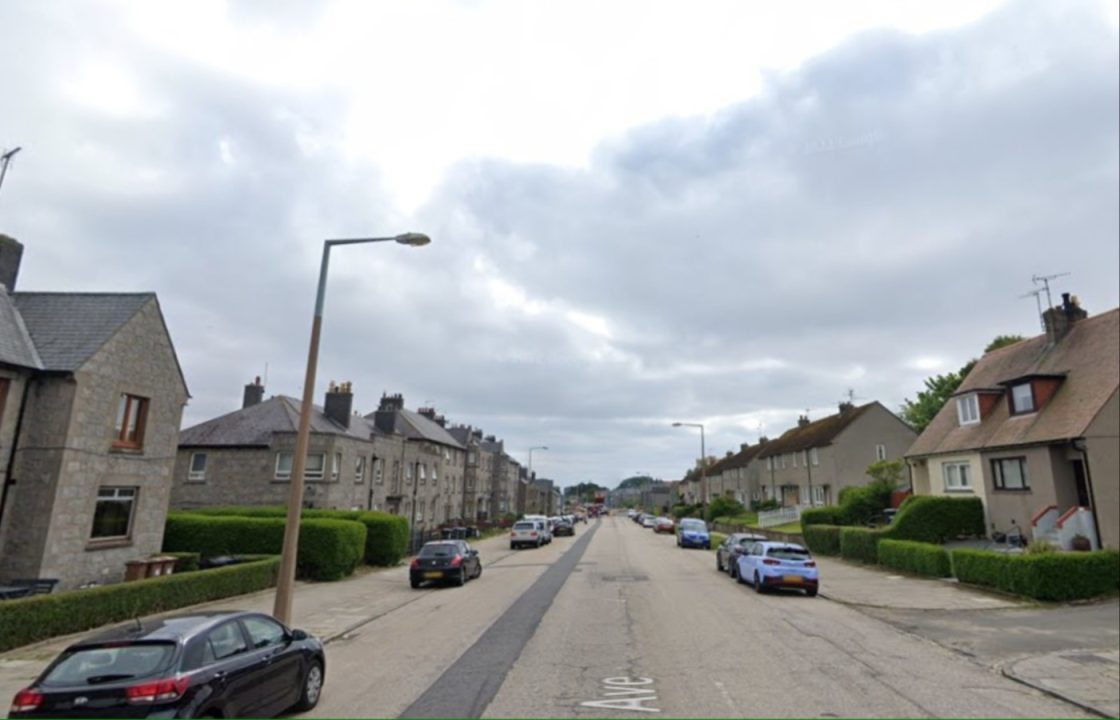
818 494
814 457
963 482
423 471
379 470
192 473
795 453
281 474
880 452
312 474
968 409
360 469
115 494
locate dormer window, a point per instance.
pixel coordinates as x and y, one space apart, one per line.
968 409
1022 399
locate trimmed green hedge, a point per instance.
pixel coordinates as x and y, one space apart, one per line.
822 539
386 535
328 549
185 561
39 617
828 515
935 519
1053 577
860 544
716 539
915 557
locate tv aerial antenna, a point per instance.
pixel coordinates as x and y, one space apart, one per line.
1045 281
6 158
1037 293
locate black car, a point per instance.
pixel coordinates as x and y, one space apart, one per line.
451 561
731 548
206 664
563 528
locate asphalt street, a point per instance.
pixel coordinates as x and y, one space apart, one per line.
619 622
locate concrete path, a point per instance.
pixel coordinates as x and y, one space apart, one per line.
874 587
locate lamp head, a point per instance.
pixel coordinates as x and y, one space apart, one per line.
676 424
413 239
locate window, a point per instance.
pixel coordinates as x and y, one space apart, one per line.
378 470
408 473
958 476
795 454
336 466
112 515
770 463
314 468
1022 399
197 469
968 409
435 476
814 457
783 462
360 469
264 632
226 640
283 466
1010 474
880 452
818 495
132 414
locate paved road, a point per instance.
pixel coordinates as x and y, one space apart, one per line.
618 622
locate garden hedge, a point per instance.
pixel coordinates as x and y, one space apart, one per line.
935 519
328 549
915 557
860 544
1052 576
828 515
39 617
822 539
185 561
386 535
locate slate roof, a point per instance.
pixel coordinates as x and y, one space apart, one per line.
254 426
818 433
415 426
68 328
1089 356
16 347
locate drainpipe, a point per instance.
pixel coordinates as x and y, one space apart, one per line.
805 457
8 479
1080 445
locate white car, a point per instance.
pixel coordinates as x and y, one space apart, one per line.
526 533
649 521
546 528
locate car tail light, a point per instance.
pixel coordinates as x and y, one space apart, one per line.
415 563
533 534
810 563
771 561
457 561
157 690
26 700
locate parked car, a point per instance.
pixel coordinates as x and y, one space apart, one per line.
663 525
692 532
731 548
451 561
526 533
564 528
649 521
779 565
545 526
212 664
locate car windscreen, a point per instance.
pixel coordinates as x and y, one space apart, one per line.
695 525
524 526
788 553
438 551
105 664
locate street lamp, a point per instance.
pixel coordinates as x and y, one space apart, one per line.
282 609
703 459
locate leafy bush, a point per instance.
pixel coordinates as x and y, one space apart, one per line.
860 544
682 511
38 617
822 539
386 534
723 507
933 519
717 539
915 557
1048 576
828 515
185 561
1040 547
328 549
866 503
763 505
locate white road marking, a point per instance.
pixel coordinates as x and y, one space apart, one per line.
627 691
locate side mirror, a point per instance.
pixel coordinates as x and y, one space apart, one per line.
474 553
298 635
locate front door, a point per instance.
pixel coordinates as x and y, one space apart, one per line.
1081 484
791 495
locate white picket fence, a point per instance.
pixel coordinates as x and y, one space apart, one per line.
781 516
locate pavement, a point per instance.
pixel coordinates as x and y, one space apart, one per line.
1088 677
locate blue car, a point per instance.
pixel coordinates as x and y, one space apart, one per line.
693 533
769 565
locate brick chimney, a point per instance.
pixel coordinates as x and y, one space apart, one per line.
339 403
254 393
802 420
845 408
11 253
384 419
743 447
1059 320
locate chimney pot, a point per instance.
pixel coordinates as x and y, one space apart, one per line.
254 394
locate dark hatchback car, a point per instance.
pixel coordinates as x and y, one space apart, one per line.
212 664
451 561
732 547
563 528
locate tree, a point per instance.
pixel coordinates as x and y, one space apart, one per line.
920 413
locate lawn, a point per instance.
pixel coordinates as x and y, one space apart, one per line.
793 528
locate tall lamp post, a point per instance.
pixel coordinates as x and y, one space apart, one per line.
703 459
282 609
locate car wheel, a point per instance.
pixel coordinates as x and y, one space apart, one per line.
758 584
312 687
719 563
733 571
811 592
461 578
414 583
478 573
512 546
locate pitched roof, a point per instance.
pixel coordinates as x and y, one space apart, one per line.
816 434
1089 356
16 347
254 426
415 426
68 328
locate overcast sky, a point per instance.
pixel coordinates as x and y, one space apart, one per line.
641 212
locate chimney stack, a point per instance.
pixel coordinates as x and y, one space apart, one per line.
338 403
384 418
11 253
743 447
845 408
803 420
1059 320
254 393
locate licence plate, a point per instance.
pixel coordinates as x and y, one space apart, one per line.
792 578
433 575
